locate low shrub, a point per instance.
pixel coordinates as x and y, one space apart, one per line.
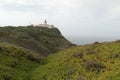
89 51
91 65
78 55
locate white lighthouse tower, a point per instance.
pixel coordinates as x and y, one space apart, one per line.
45 24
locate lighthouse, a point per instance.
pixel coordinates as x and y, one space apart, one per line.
45 22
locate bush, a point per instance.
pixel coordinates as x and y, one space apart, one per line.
78 55
7 76
115 55
96 42
91 65
33 58
89 51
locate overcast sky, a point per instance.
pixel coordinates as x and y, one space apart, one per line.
83 18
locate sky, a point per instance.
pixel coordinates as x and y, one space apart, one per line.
74 18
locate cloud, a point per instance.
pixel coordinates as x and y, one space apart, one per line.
73 17
35 5
89 10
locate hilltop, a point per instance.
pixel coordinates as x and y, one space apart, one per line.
42 53
41 40
24 48
99 61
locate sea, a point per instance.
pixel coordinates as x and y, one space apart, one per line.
90 40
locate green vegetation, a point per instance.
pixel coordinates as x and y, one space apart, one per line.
36 39
23 49
16 63
99 61
19 59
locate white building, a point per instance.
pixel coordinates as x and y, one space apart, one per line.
45 24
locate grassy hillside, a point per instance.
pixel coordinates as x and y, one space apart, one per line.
36 39
99 61
16 63
19 61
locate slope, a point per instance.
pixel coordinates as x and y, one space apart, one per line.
16 62
37 39
99 61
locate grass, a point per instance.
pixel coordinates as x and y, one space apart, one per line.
19 61
16 63
37 39
89 62
23 49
